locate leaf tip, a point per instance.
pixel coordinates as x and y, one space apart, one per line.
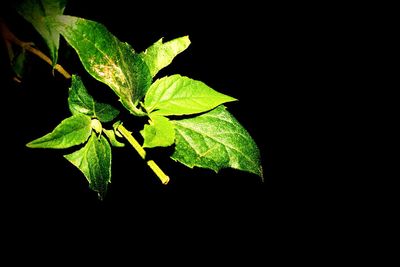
35 144
30 145
100 196
101 190
261 173
186 37
233 99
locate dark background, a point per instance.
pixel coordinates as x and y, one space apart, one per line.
271 57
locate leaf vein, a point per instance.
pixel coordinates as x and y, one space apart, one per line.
218 141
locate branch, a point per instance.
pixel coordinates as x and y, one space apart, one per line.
9 38
160 174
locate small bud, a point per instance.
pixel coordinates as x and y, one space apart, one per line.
96 125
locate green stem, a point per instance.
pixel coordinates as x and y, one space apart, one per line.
153 166
138 112
160 174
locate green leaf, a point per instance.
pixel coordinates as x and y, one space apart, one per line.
105 112
216 140
35 11
81 102
94 161
179 95
159 132
70 132
113 139
107 59
160 54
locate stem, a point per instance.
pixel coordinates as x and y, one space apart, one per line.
40 54
160 174
153 166
138 112
9 38
128 135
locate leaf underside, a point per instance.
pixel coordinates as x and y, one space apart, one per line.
35 11
216 140
94 161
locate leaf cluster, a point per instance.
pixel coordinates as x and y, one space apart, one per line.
182 112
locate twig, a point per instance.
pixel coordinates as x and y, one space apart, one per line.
10 38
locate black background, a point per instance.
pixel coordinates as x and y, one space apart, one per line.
271 57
